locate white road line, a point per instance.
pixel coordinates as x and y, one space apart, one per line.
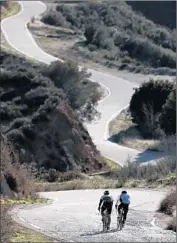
154 224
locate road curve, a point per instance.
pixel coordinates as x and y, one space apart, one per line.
72 217
120 90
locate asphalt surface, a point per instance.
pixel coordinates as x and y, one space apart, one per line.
119 90
73 217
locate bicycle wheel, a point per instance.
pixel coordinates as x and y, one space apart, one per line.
120 220
105 223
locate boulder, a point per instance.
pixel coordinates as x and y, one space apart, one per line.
5 189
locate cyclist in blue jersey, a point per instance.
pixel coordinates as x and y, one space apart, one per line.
124 199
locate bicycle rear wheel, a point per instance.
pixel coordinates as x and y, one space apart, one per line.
105 223
120 220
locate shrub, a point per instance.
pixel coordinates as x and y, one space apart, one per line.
172 225
168 204
52 175
83 95
168 116
55 18
152 94
114 26
48 103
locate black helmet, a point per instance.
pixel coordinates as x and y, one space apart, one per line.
106 192
124 192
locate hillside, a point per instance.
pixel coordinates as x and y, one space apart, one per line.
40 120
166 14
115 35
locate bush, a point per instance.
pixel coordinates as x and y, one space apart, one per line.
83 95
168 116
115 26
147 101
168 204
55 18
48 104
172 225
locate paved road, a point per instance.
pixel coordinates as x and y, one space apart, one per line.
73 217
120 90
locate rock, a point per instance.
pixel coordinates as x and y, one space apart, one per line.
5 189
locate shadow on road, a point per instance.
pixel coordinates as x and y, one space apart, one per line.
99 232
144 156
147 156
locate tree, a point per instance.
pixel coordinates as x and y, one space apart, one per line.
168 116
154 93
89 33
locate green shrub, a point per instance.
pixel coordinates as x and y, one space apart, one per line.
168 116
114 26
147 101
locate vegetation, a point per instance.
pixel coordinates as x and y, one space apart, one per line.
68 77
153 103
114 32
20 183
168 116
11 232
28 235
132 175
166 14
168 206
8 9
16 175
41 117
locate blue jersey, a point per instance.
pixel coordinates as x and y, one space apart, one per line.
124 198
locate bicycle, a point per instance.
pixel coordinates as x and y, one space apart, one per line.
106 220
120 219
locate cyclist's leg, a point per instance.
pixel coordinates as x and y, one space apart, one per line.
125 212
119 208
109 210
102 212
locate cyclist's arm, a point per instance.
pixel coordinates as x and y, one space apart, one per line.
101 200
117 202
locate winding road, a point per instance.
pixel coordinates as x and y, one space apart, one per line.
72 215
119 90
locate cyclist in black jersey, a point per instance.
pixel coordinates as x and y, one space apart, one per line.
106 202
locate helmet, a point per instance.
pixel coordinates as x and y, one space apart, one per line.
124 192
106 192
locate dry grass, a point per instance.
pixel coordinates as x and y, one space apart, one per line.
92 182
13 8
27 235
104 181
22 186
6 224
15 174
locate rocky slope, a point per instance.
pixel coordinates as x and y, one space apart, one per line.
40 121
